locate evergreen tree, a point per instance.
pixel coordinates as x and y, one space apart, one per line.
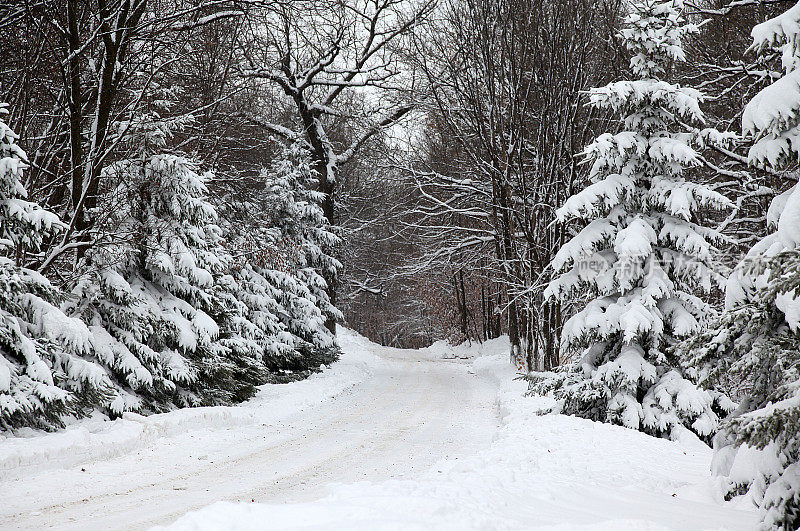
299 232
152 298
643 255
754 348
47 368
160 299
278 232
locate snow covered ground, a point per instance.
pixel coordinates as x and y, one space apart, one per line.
384 439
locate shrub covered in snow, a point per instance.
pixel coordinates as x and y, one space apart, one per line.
46 358
643 256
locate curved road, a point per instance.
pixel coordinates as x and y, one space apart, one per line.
412 412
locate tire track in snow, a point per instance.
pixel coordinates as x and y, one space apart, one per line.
408 415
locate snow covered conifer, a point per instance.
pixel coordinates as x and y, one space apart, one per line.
160 298
278 234
46 366
642 255
755 345
300 232
153 299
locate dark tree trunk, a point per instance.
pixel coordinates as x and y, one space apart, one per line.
75 114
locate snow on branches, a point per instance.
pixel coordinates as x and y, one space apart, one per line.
752 350
297 221
46 367
181 321
643 255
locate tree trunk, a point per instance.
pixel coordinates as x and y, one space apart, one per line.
75 115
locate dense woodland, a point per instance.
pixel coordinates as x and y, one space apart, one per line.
194 192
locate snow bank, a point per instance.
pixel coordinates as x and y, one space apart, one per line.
96 439
542 472
468 349
90 440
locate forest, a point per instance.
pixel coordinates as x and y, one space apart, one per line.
198 196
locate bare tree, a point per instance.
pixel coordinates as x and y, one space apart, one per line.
505 87
318 52
96 65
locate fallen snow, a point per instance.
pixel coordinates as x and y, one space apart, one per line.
384 439
467 350
99 439
378 413
540 472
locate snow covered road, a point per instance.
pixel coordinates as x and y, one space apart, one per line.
385 439
396 423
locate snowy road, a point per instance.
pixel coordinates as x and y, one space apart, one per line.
411 412
385 439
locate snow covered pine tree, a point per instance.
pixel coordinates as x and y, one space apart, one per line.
300 232
160 299
641 255
276 229
271 235
46 365
754 348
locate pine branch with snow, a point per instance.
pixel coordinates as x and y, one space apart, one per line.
753 348
753 351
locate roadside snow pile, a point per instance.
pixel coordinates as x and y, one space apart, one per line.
551 471
468 349
97 438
